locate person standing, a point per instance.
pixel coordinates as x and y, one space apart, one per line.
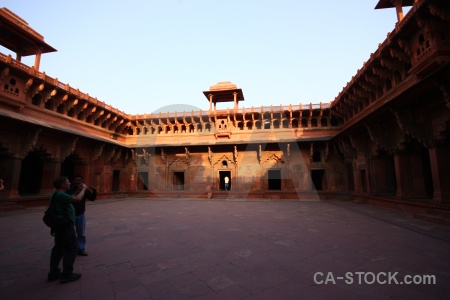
65 247
80 208
227 180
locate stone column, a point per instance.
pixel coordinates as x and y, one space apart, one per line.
37 60
409 176
10 173
236 177
440 171
398 8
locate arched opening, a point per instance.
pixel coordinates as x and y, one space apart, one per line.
240 126
249 125
276 124
313 122
70 166
294 123
36 100
304 123
258 124
224 164
334 122
318 179
31 174
285 123
317 156
266 124
324 122
49 104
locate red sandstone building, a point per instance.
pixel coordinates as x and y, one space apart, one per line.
385 135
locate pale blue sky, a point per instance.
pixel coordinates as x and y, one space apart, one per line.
139 56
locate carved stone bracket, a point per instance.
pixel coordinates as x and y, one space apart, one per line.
49 95
210 156
391 64
61 99
381 72
344 146
288 152
29 142
68 147
5 73
129 155
117 155
187 155
71 103
97 152
400 54
445 91
260 154
163 156
438 11
374 80
408 126
37 90
28 84
141 158
108 156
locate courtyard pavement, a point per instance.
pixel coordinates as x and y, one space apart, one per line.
232 249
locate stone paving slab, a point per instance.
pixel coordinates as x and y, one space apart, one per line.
219 249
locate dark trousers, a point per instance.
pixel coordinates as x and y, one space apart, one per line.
65 248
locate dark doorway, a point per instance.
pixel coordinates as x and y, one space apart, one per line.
274 179
222 175
116 180
68 169
317 179
363 181
31 174
69 166
178 181
142 181
350 180
428 177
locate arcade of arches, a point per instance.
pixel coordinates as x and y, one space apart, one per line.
387 133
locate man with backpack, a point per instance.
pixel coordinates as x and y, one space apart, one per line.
65 247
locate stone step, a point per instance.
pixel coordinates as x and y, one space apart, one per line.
436 219
10 206
440 213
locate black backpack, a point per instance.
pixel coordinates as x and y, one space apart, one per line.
53 219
